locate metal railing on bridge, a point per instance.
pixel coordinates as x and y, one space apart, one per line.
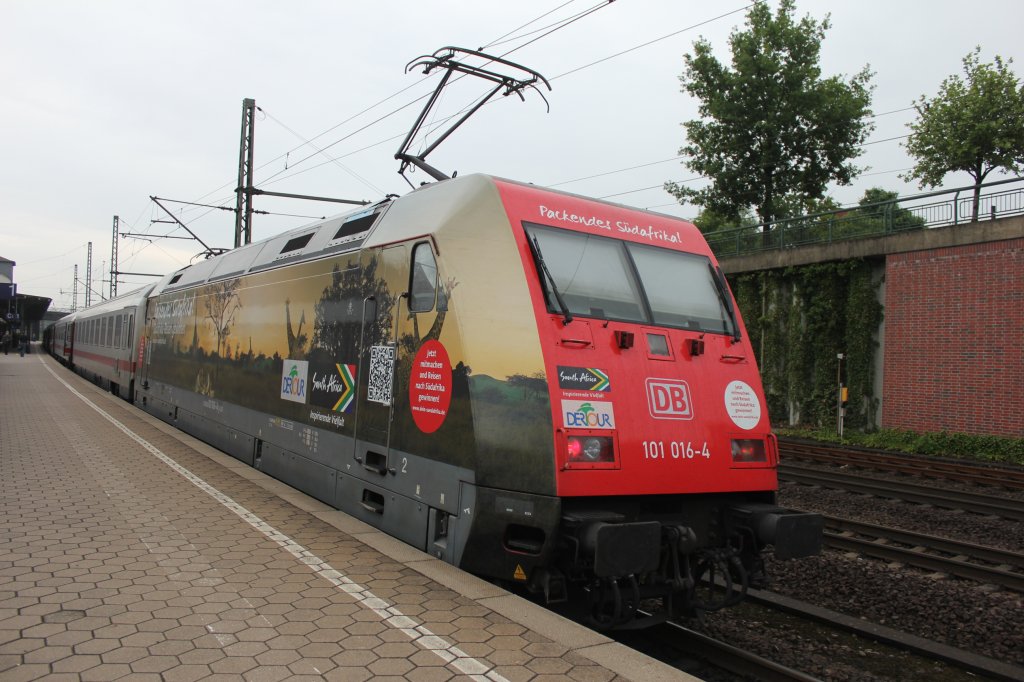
920 211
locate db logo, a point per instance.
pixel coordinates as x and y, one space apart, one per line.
669 399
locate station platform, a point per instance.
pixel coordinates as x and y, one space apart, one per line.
130 550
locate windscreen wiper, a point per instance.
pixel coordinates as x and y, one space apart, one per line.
539 257
726 299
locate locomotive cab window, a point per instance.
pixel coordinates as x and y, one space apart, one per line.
681 289
611 279
592 274
422 279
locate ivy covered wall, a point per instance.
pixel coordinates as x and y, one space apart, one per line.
799 319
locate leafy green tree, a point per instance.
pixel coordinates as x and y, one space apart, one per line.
773 131
880 205
974 124
709 221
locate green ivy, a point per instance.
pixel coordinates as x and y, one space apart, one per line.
864 315
799 319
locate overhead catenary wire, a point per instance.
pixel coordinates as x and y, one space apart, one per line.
649 42
497 41
676 203
290 172
623 52
559 25
653 163
336 162
274 176
367 110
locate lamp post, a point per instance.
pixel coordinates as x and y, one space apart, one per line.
840 395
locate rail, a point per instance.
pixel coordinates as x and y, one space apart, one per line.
1003 507
892 216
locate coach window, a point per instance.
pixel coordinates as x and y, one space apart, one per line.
117 331
423 279
110 332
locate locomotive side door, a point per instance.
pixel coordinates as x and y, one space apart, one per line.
142 352
385 271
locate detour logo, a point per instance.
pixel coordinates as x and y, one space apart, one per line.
294 377
588 414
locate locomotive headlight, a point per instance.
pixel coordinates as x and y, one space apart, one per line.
748 451
590 450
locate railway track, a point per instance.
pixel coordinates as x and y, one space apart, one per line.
983 666
735 660
929 552
916 465
739 661
997 567
978 503
675 637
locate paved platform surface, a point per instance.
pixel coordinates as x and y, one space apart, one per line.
129 550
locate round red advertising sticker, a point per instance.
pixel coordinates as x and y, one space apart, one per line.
430 386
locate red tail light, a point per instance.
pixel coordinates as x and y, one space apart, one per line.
748 451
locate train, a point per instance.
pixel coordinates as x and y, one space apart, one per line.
553 392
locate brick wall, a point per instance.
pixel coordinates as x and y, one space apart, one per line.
954 339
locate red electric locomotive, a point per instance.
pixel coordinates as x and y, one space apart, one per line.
540 388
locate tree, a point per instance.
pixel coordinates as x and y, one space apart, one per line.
773 132
974 124
708 220
880 206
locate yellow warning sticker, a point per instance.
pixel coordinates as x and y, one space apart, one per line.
520 574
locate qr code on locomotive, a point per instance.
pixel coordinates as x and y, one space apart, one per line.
382 369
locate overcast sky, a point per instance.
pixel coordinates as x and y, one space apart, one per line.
107 102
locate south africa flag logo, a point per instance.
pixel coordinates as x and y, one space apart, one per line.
602 383
583 379
346 372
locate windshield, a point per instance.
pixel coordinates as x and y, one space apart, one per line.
615 280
